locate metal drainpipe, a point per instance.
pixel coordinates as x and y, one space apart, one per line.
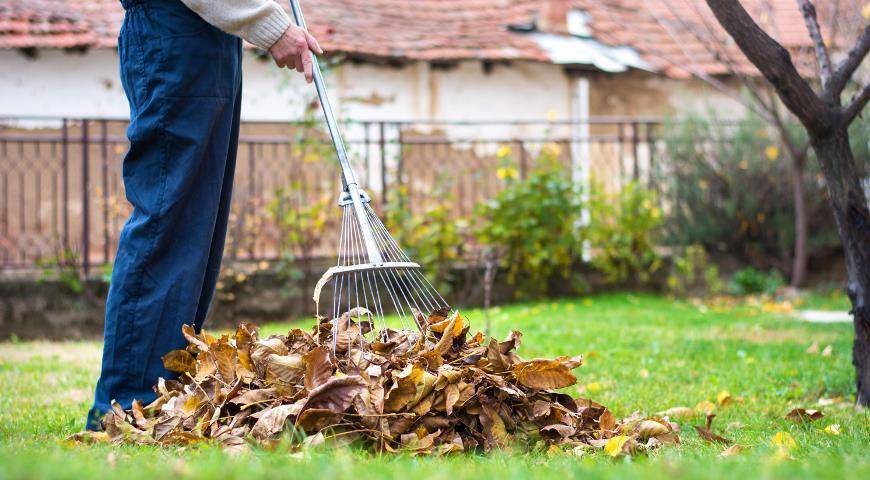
580 150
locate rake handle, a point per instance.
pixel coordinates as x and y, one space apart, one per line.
348 179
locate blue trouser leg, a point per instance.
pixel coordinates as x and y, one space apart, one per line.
182 78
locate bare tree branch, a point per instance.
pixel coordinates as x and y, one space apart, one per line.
775 64
847 67
858 102
812 20
759 107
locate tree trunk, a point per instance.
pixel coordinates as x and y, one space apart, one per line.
799 261
853 225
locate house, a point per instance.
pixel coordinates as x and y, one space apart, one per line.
499 70
413 59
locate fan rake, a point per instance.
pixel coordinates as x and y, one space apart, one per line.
373 276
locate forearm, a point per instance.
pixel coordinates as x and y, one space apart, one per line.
260 22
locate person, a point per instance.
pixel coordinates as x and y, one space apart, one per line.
181 69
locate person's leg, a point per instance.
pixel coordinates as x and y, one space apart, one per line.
212 270
182 78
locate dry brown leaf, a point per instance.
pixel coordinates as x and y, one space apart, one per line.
336 394
801 415
707 434
271 422
544 374
733 450
318 368
441 392
180 361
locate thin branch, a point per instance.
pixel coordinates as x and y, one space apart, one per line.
694 68
847 67
812 20
856 105
774 62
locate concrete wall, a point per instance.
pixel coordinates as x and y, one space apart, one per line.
57 83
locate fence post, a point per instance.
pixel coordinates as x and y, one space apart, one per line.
383 146
650 145
635 140
64 182
523 160
400 157
86 208
366 155
251 204
104 171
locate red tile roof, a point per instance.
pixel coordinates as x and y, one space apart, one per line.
667 33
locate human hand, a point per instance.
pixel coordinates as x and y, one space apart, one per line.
293 50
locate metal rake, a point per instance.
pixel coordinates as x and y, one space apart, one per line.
373 275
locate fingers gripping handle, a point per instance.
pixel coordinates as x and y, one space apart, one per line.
348 178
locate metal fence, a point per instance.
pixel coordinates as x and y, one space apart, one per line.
61 180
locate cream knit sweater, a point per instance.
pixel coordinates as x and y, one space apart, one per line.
260 22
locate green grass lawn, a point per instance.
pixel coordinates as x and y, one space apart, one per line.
644 353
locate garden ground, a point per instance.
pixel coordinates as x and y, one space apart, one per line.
644 353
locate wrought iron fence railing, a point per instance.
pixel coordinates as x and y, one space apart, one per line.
62 195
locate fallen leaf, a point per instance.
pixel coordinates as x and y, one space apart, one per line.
336 395
272 421
543 374
707 434
615 446
318 368
706 407
180 361
724 398
833 429
679 413
828 351
783 440
733 450
800 415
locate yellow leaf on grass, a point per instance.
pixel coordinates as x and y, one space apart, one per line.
593 387
614 445
833 429
724 398
784 440
706 407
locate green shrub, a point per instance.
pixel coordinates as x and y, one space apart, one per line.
435 238
533 225
65 267
748 280
728 189
692 273
621 233
302 223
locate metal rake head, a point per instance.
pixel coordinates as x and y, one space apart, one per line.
374 278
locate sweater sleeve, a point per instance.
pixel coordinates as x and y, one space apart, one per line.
260 22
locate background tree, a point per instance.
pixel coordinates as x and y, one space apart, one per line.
738 80
826 119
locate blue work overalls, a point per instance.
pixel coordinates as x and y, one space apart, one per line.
183 80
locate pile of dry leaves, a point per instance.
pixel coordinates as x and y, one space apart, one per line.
441 392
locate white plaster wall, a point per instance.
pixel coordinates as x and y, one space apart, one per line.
56 83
